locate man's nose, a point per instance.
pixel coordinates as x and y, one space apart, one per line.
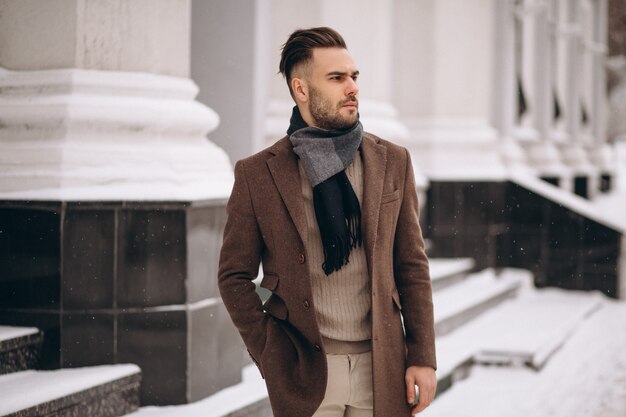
352 89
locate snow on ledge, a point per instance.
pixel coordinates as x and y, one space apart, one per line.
23 390
569 200
10 332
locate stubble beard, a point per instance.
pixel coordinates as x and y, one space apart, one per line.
328 116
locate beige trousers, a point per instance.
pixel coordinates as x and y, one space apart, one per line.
349 392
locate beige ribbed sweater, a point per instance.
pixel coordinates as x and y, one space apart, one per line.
342 300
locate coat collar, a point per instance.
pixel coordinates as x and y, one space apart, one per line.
283 166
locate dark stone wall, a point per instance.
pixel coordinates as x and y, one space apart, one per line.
466 220
122 282
501 224
562 248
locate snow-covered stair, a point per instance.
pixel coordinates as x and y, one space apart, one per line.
445 272
462 302
99 391
524 331
20 348
585 377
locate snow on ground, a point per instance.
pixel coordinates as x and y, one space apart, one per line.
586 377
442 267
250 390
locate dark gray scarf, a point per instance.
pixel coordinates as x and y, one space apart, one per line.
325 155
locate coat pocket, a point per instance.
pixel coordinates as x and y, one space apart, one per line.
390 197
269 281
274 306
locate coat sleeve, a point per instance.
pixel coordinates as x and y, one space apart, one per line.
412 278
239 262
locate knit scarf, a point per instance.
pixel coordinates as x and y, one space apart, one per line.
325 155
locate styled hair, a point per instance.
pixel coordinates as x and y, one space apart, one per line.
298 49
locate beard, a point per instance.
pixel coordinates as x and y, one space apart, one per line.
327 115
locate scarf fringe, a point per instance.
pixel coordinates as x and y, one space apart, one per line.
337 249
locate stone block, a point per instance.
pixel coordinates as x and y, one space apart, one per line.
89 248
151 257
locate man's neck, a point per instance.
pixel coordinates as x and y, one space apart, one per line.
306 115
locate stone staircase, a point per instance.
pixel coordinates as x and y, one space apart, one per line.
524 331
99 391
481 317
486 317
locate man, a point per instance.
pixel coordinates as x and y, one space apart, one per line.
332 213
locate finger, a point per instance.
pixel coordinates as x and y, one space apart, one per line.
425 398
421 405
410 389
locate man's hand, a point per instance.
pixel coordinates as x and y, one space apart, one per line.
424 377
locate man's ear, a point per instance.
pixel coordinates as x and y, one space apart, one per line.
300 90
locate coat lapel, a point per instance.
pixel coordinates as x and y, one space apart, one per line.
284 169
374 166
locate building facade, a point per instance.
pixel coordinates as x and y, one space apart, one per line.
112 198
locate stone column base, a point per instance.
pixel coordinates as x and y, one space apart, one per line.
123 282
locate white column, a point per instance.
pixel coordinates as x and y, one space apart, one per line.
97 104
230 58
573 150
543 153
601 154
505 86
443 81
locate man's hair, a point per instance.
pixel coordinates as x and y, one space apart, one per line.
298 49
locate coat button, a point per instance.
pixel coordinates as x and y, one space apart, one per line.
301 258
306 304
317 347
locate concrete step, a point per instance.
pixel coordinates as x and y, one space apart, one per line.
99 391
445 272
20 348
462 302
522 332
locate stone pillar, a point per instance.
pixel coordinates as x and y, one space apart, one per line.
505 87
601 154
442 85
111 197
577 110
538 49
230 55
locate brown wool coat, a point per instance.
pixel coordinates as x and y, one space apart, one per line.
266 222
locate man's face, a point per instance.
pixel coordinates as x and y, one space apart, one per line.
333 92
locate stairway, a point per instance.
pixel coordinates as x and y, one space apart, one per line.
459 296
489 317
98 391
